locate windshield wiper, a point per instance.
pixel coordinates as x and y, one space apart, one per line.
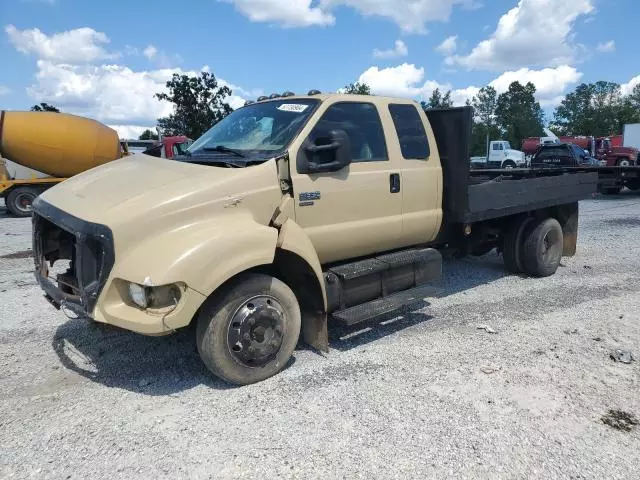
223 149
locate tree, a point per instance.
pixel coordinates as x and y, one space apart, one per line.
634 98
597 109
199 103
358 89
484 122
518 114
148 135
44 107
437 100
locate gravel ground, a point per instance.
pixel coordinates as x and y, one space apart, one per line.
426 395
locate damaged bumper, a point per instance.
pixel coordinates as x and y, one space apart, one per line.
89 285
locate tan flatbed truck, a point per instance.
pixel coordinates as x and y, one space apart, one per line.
292 213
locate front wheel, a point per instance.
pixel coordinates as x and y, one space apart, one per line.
19 201
624 162
509 164
248 331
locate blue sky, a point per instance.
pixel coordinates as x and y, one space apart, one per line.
107 59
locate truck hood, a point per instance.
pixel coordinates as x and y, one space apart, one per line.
511 153
145 193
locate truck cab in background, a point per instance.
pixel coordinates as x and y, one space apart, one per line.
166 147
500 155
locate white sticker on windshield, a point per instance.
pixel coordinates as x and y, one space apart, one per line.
293 107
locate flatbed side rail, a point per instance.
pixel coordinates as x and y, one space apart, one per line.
503 197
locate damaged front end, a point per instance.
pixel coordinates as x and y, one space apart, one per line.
73 258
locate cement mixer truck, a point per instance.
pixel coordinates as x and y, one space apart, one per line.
41 149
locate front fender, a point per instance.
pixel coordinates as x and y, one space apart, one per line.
301 264
203 254
293 239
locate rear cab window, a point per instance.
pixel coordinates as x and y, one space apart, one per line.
412 136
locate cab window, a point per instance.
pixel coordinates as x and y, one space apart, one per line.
410 129
361 123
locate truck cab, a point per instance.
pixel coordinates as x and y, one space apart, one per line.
291 213
500 155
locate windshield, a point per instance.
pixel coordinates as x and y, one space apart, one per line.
507 145
262 128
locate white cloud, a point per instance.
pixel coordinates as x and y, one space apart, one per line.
407 80
113 94
82 45
71 77
399 50
627 88
4 90
448 46
129 131
409 15
150 52
287 13
607 47
551 83
535 33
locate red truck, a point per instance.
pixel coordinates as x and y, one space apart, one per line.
166 147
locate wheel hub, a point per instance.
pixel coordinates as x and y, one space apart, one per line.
24 202
256 331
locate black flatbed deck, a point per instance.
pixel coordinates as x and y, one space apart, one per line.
509 192
471 196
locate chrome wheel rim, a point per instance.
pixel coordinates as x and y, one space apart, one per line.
256 331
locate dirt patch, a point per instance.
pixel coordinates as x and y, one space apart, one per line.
620 420
21 254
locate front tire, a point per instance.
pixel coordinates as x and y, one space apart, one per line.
509 164
623 162
248 331
542 249
19 201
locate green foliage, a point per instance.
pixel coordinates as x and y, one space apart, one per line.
358 89
597 109
44 107
438 100
148 135
518 115
199 103
484 123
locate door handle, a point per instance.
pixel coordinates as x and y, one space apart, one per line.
394 182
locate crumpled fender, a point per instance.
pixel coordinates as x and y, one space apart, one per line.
202 254
294 239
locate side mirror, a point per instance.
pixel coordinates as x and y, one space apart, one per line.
326 154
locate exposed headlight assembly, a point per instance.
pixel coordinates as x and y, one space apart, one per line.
155 298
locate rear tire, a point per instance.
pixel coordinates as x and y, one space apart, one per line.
513 243
542 249
19 201
248 331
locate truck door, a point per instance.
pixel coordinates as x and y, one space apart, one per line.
421 177
357 210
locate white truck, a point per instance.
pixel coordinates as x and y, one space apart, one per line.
631 135
500 155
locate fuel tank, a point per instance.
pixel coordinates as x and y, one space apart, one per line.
57 144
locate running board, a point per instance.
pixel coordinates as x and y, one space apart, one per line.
380 307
